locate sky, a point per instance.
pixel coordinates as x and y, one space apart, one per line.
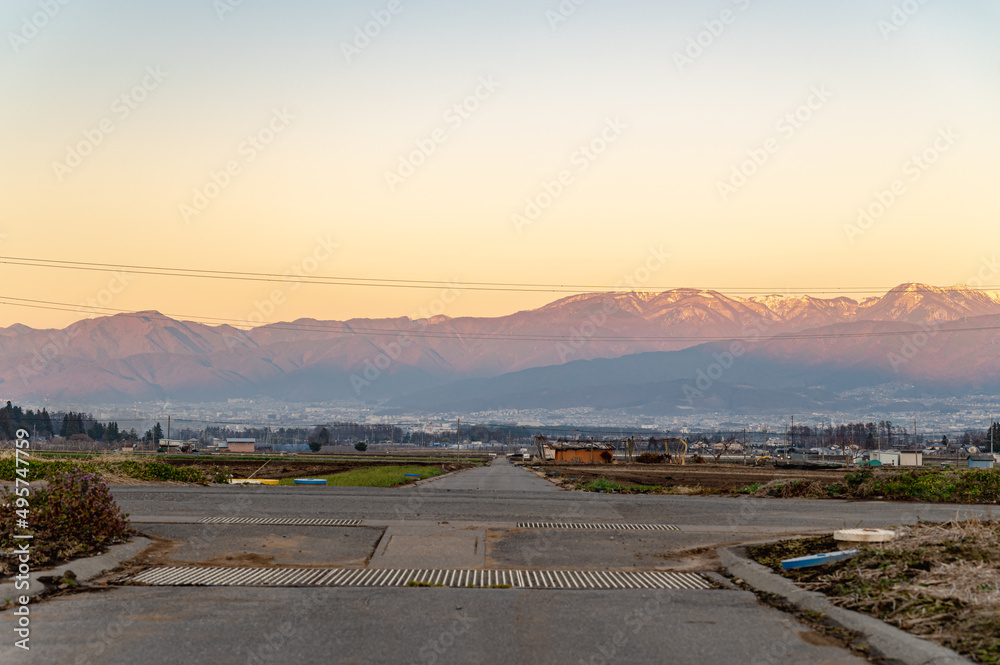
768 145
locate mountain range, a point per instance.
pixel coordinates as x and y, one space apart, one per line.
667 353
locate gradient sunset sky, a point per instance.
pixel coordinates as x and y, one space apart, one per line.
887 81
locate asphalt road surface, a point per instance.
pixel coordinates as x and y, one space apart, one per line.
497 477
469 521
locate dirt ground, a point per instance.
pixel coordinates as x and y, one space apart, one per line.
722 477
939 581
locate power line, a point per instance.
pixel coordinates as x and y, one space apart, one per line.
423 284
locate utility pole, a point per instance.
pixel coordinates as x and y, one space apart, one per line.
168 430
458 438
822 440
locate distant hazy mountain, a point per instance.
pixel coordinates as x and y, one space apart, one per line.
788 373
125 358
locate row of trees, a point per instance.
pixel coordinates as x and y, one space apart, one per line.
13 418
79 423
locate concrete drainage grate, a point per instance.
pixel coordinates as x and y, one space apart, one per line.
369 577
607 526
279 521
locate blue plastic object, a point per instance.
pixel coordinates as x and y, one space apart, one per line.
310 481
411 475
817 559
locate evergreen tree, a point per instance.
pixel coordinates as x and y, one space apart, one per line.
6 427
96 432
111 433
72 424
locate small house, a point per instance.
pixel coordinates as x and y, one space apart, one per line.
587 453
911 458
885 457
981 461
241 445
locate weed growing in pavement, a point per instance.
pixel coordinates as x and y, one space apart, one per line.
75 515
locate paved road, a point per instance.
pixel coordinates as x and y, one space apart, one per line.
500 476
181 626
466 520
437 502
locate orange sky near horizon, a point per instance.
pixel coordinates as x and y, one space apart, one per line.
820 147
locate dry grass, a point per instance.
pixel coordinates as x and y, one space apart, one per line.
792 488
939 581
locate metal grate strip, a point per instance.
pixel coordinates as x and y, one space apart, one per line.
387 577
279 521
595 526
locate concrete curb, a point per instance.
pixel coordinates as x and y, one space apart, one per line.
886 641
85 569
